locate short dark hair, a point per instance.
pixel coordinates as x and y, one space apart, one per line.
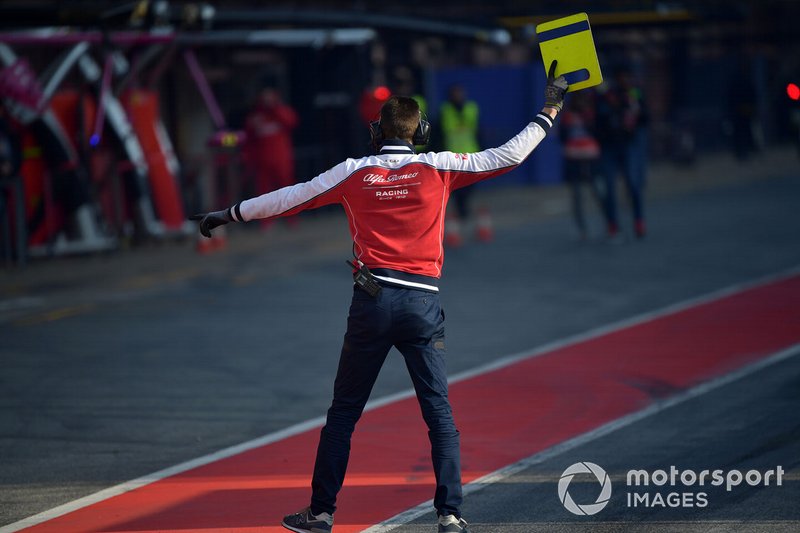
399 117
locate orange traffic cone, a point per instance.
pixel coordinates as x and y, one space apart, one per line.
485 229
452 232
218 241
203 245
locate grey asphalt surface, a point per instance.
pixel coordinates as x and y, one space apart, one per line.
117 366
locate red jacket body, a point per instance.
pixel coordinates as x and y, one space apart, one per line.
395 200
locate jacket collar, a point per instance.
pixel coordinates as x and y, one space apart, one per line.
396 146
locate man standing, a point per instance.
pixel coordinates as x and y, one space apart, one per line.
269 147
581 152
621 123
395 201
459 117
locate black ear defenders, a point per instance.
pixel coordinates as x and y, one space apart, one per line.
421 135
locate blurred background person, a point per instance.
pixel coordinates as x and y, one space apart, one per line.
459 119
581 155
10 187
270 152
794 116
10 147
406 85
742 111
621 131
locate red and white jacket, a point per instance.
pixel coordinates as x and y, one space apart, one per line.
395 201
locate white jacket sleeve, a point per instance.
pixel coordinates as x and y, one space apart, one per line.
461 170
322 190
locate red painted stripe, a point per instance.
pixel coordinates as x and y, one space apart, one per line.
504 416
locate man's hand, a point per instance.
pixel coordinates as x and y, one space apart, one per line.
209 221
555 89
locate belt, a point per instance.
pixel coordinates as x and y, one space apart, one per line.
404 279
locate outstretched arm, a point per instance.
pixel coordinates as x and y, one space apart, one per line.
322 190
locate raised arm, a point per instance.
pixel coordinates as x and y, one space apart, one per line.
461 170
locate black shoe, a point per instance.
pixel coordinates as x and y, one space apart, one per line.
305 522
450 524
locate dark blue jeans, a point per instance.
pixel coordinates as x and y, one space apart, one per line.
629 158
413 321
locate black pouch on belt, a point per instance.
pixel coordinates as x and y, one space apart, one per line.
364 278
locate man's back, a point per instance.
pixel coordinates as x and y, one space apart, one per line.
395 200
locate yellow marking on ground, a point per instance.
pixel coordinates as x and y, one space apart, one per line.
145 281
53 315
243 280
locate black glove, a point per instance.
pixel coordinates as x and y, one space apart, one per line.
555 89
209 221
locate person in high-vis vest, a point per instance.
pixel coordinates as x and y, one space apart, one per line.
395 202
459 121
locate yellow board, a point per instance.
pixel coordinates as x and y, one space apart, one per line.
569 41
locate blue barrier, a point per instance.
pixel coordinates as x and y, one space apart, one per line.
508 98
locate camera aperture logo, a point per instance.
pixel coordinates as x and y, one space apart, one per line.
663 487
586 509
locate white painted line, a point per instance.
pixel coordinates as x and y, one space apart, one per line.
501 362
575 442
